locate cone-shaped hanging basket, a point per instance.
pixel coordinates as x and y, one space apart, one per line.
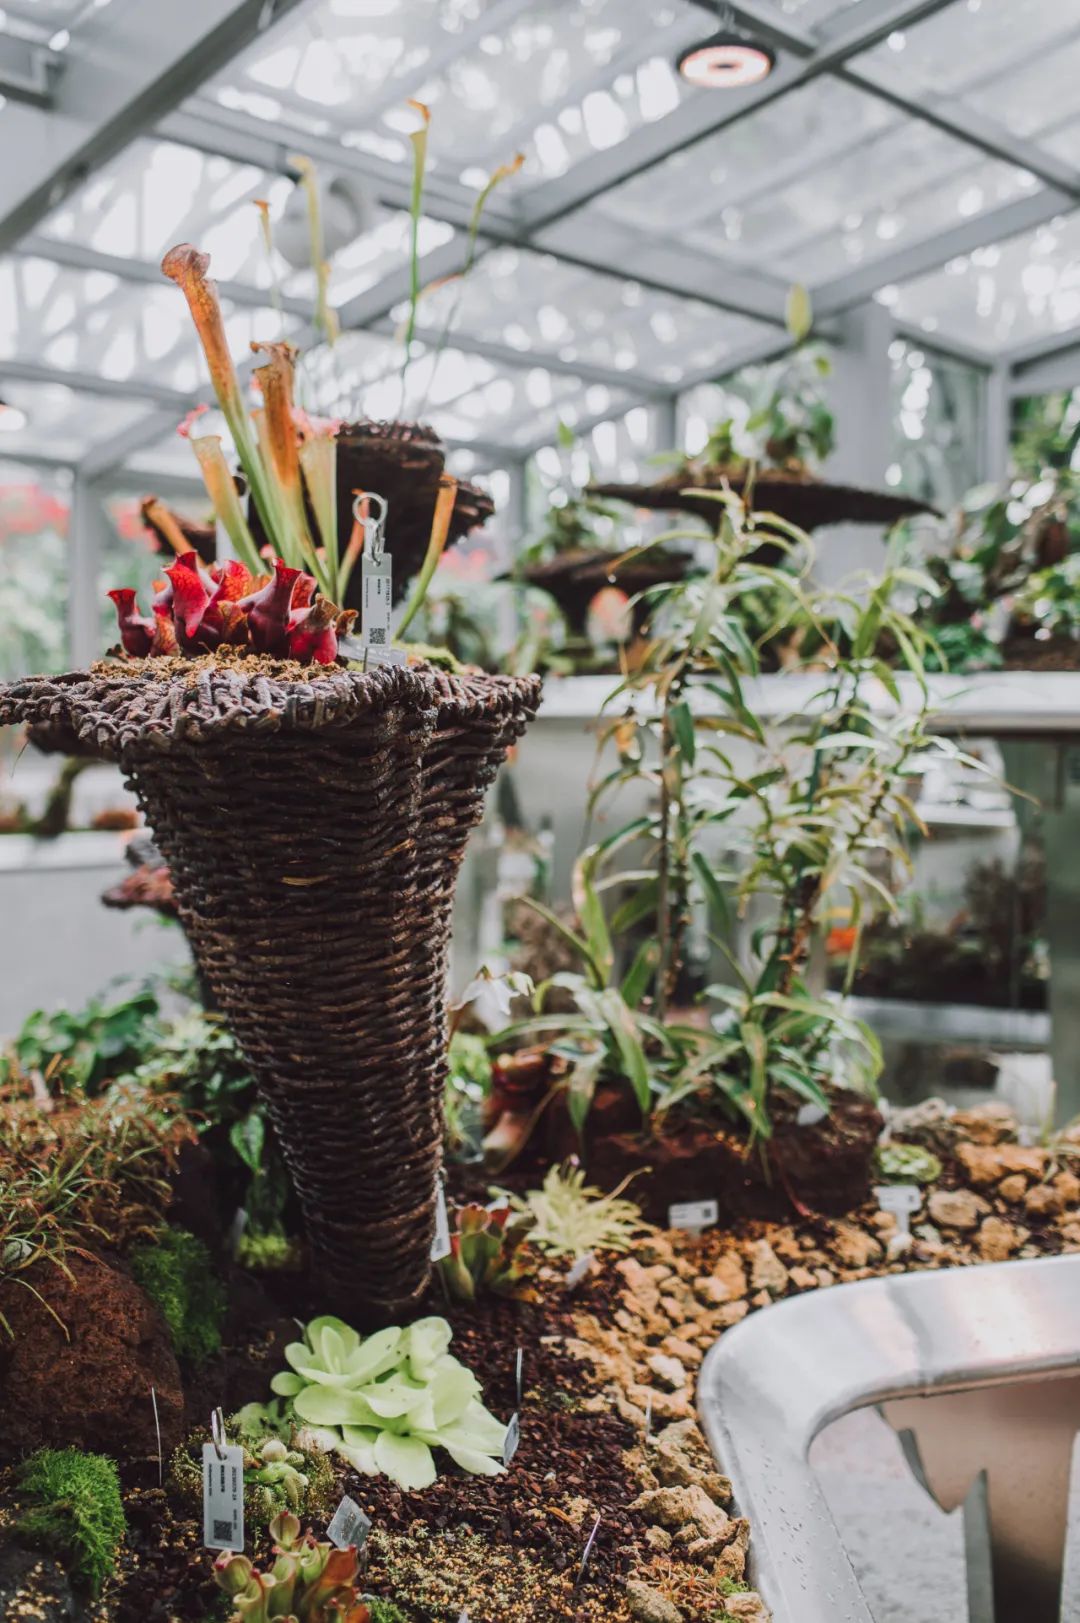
313 825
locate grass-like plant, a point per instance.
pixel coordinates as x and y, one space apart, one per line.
73 1510
809 804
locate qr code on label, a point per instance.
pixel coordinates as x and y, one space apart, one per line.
223 1531
377 636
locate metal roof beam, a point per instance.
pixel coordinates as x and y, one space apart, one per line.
919 258
125 67
92 383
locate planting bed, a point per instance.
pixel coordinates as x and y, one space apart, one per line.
608 1425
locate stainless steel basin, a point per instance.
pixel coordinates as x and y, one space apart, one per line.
977 1369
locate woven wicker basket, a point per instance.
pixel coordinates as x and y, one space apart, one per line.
313 826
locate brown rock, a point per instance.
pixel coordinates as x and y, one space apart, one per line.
853 1247
665 1405
767 1272
1069 1184
1044 1200
1013 1188
679 1509
956 1208
803 1279
992 1123
824 1277
1070 1233
749 1607
648 1605
731 1562
669 1370
727 1316
90 1389
988 1164
684 1351
998 1240
658 1538
645 1294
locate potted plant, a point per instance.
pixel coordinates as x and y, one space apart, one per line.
756 827
312 816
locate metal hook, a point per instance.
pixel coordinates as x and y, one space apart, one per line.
374 523
217 1432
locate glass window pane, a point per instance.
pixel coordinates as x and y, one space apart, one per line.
1004 294
1017 66
936 412
35 508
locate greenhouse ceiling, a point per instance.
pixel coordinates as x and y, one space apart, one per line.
919 152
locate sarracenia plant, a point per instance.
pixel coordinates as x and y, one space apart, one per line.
309 1582
808 803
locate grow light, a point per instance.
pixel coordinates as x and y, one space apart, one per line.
726 62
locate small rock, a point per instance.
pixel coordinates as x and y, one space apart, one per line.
992 1123
646 1296
674 1309
1013 1188
731 1562
35 1586
665 1405
727 1316
658 1538
669 1370
1070 1233
998 1240
956 1208
760 1299
749 1607
928 1123
824 1277
853 1247
684 1351
1069 1184
803 1279
683 1508
767 1272
1044 1200
987 1164
648 1605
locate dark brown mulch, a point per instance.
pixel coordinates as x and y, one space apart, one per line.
526 1516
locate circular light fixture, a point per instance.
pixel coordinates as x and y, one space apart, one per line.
12 418
726 62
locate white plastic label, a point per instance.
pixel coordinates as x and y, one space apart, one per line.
383 656
349 1525
693 1214
376 580
901 1199
440 1245
579 1271
223 1497
512 1439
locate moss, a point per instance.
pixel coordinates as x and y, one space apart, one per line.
264 1497
384 1611
176 1272
75 1512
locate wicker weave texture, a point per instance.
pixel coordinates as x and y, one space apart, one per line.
314 830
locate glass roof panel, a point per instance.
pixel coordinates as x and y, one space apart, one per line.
532 302
823 179
75 320
1001 295
157 193
53 420
1021 70
556 81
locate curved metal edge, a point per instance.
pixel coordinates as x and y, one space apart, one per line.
777 1379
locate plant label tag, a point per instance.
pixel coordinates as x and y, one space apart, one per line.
512 1439
376 580
694 1215
585 1554
901 1199
374 657
440 1245
580 1270
519 1365
223 1497
349 1525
